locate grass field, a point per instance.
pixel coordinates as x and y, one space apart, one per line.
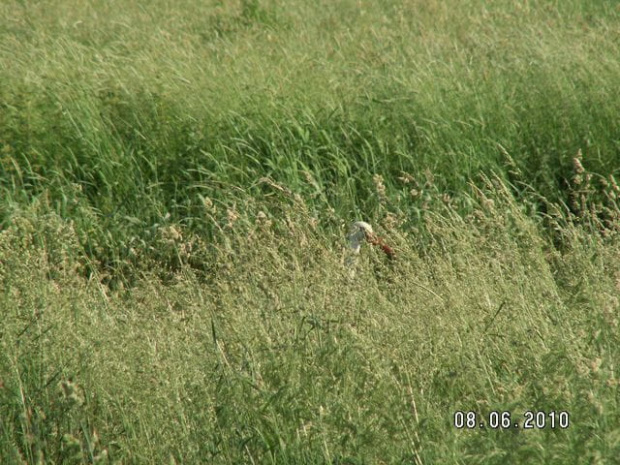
176 183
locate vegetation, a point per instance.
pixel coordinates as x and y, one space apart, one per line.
176 182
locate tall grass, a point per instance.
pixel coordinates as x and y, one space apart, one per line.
281 357
175 183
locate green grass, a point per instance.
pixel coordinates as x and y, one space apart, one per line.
176 181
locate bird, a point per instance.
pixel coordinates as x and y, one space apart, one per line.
359 233
362 231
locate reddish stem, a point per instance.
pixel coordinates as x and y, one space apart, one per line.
376 240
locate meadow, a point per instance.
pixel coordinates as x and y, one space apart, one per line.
177 179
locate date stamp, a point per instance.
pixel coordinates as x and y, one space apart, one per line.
494 420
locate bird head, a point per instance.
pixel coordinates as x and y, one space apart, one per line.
360 231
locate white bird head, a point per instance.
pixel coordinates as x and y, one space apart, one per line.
360 230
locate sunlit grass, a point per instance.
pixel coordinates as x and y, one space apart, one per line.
176 184
282 356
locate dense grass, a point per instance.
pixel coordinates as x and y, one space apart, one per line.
284 358
176 179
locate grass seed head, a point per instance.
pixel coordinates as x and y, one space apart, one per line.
377 179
